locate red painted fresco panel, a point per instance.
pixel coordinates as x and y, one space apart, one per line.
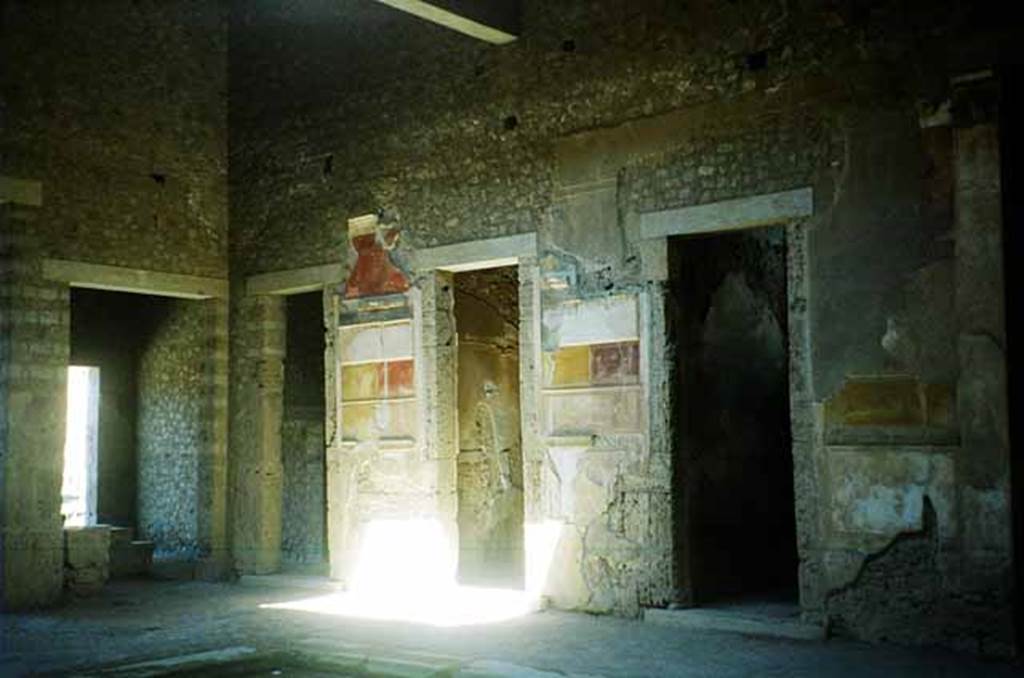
400 378
373 274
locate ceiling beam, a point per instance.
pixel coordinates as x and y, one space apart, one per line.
495 21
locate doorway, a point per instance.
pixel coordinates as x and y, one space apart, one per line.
152 409
81 440
303 452
735 534
1011 151
490 459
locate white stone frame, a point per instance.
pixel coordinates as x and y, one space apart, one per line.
791 209
298 281
439 262
213 490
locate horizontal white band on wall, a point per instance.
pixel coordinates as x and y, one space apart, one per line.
729 215
135 280
477 254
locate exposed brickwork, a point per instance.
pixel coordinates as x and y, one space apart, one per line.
36 326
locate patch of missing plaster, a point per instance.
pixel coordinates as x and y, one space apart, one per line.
928 532
901 593
894 589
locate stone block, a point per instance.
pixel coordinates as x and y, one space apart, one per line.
86 558
133 558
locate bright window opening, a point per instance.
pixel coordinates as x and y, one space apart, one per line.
78 490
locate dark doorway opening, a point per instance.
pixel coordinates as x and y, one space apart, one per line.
151 423
490 460
733 465
303 451
1012 156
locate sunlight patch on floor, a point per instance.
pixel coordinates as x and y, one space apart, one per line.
444 607
406 572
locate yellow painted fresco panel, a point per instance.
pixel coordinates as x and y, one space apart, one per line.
358 421
361 382
569 366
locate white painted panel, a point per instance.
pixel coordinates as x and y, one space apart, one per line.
397 340
594 411
592 321
361 343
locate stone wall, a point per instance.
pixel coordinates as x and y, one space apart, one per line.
172 419
34 329
302 434
120 153
598 116
129 138
257 376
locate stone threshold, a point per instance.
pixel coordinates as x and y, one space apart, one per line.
735 621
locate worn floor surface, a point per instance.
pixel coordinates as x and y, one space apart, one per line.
133 621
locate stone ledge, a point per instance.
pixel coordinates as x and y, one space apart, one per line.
296 280
140 281
477 254
729 215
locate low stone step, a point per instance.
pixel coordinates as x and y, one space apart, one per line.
120 536
706 619
131 559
